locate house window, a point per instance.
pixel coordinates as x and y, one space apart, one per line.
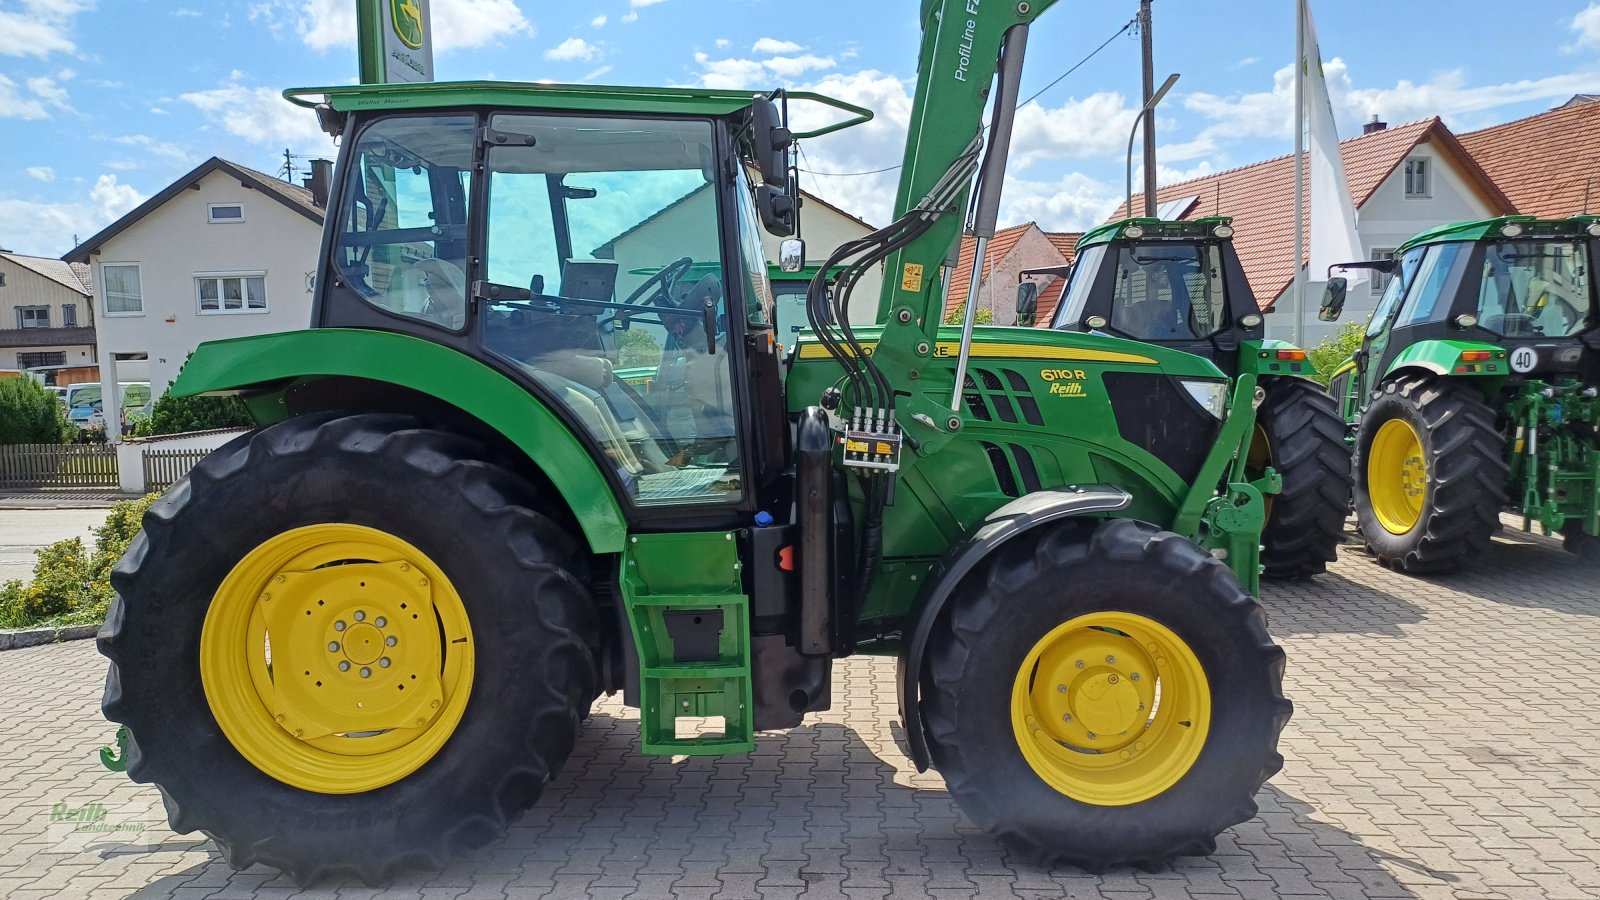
241 293
1380 280
69 315
33 317
122 290
37 360
1417 175
2 279
226 212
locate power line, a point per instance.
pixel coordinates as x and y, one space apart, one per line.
1118 33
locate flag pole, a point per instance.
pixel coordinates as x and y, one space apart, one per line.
1298 286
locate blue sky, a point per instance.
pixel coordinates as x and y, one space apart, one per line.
104 103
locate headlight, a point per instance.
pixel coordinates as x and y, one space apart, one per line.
1096 322
1212 395
1223 231
1250 321
1594 228
1133 232
1511 229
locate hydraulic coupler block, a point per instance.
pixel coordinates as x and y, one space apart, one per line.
871 441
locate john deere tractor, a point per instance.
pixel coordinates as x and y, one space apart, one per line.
1180 285
364 636
1474 391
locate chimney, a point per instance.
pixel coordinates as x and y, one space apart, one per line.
320 181
1374 125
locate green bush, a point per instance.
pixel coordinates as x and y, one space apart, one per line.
72 585
29 414
175 415
1336 348
637 348
958 316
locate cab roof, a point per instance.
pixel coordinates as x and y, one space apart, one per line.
1487 229
1154 229
566 97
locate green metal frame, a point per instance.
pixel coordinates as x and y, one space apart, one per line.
265 365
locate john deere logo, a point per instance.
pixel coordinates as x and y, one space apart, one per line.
407 18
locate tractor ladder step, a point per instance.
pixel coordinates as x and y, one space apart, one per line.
691 628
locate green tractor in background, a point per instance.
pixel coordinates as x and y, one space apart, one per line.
364 636
1180 285
1474 391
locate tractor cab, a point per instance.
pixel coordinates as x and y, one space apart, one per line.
1178 284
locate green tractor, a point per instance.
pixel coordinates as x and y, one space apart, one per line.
1474 391
364 636
1180 285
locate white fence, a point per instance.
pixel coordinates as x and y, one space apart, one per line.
146 464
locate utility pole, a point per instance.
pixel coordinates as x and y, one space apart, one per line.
1147 48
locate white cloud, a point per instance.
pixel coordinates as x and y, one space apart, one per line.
573 49
47 90
628 18
597 22
773 47
1096 125
1073 202
729 73
39 28
41 173
790 66
1587 24
724 42
13 105
597 73
640 4
457 24
47 229
162 150
259 115
184 12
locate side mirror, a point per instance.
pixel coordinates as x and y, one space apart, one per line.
770 141
1333 299
777 210
1027 303
792 255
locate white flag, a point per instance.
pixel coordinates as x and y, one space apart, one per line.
1333 214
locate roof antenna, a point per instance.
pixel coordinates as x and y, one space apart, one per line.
1219 197
1587 187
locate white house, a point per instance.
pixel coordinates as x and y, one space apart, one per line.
46 315
224 251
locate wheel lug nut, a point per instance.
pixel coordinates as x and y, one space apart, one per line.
333 646
1134 676
1066 717
339 625
366 672
1061 689
384 662
1111 660
1080 663
391 640
1091 735
344 665
360 616
380 621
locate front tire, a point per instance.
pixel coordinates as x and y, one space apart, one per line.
348 645
1430 474
1300 434
1105 696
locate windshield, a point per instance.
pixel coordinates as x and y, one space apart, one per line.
1168 291
84 397
790 297
1083 275
1534 288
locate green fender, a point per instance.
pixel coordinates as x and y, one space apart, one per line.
1442 357
1267 357
453 377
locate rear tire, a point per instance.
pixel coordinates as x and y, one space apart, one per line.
1119 579
1428 499
501 566
1305 440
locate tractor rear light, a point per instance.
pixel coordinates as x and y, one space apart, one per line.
1476 355
1296 355
1211 395
1594 229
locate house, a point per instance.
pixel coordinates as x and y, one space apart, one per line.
224 251
1403 180
824 226
46 313
1011 252
1548 164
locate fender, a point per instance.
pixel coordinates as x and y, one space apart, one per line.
1273 357
239 364
1442 357
1020 515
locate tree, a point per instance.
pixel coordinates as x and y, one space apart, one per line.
636 347
958 316
1336 348
29 414
176 415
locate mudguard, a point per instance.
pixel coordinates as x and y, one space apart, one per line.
271 360
1442 357
1019 516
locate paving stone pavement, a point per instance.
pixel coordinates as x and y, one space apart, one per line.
1445 744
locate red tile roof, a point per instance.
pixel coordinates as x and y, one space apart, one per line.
1548 164
1260 197
999 246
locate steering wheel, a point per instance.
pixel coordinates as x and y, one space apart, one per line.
659 285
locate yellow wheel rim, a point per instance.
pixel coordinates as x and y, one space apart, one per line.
336 658
1111 708
1397 476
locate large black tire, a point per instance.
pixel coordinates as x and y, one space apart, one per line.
1035 583
1466 474
532 626
1305 444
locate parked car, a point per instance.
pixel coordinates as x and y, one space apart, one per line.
86 406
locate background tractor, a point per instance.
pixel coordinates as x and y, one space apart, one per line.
1474 391
364 636
1180 285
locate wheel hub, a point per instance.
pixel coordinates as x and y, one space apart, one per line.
1107 693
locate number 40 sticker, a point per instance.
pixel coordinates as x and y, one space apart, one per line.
1523 359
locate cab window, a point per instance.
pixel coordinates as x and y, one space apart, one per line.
603 239
1404 273
1534 289
1428 297
1084 273
1168 291
402 242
